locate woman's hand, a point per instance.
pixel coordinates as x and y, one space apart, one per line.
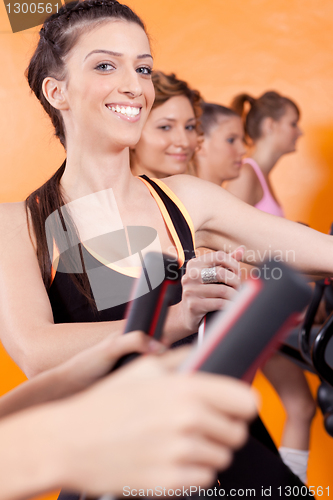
93 363
199 298
143 426
147 425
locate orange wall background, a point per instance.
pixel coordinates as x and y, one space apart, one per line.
221 47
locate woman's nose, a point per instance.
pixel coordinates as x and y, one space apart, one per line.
241 148
180 138
131 84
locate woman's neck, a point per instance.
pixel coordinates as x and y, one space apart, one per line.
204 172
265 156
138 168
92 171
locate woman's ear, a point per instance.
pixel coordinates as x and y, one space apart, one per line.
267 126
201 147
53 91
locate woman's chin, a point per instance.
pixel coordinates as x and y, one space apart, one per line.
127 141
177 168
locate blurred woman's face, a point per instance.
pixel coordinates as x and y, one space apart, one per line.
287 131
223 149
168 139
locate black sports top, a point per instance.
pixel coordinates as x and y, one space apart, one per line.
69 305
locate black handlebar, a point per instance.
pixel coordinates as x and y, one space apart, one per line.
319 350
156 289
304 334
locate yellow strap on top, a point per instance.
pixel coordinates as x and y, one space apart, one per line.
132 272
179 204
167 220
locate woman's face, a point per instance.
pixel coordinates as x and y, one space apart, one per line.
224 148
287 131
108 87
168 139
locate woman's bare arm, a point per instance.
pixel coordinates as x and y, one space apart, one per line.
77 373
28 332
192 433
216 214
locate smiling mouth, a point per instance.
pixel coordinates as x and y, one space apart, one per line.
179 156
128 111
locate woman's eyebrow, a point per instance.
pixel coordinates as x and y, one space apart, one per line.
143 56
171 119
166 118
115 54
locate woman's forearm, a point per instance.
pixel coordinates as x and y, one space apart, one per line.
267 237
280 240
217 215
45 347
48 386
76 374
175 327
49 347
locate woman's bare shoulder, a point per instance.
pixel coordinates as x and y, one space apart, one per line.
13 222
198 196
187 186
247 174
12 215
247 186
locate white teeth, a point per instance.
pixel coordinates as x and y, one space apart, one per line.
126 110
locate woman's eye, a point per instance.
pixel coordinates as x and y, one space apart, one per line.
231 140
165 127
190 127
104 67
144 70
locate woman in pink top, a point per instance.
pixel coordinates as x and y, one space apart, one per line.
267 203
271 127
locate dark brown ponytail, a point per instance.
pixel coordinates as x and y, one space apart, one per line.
270 104
238 103
39 205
